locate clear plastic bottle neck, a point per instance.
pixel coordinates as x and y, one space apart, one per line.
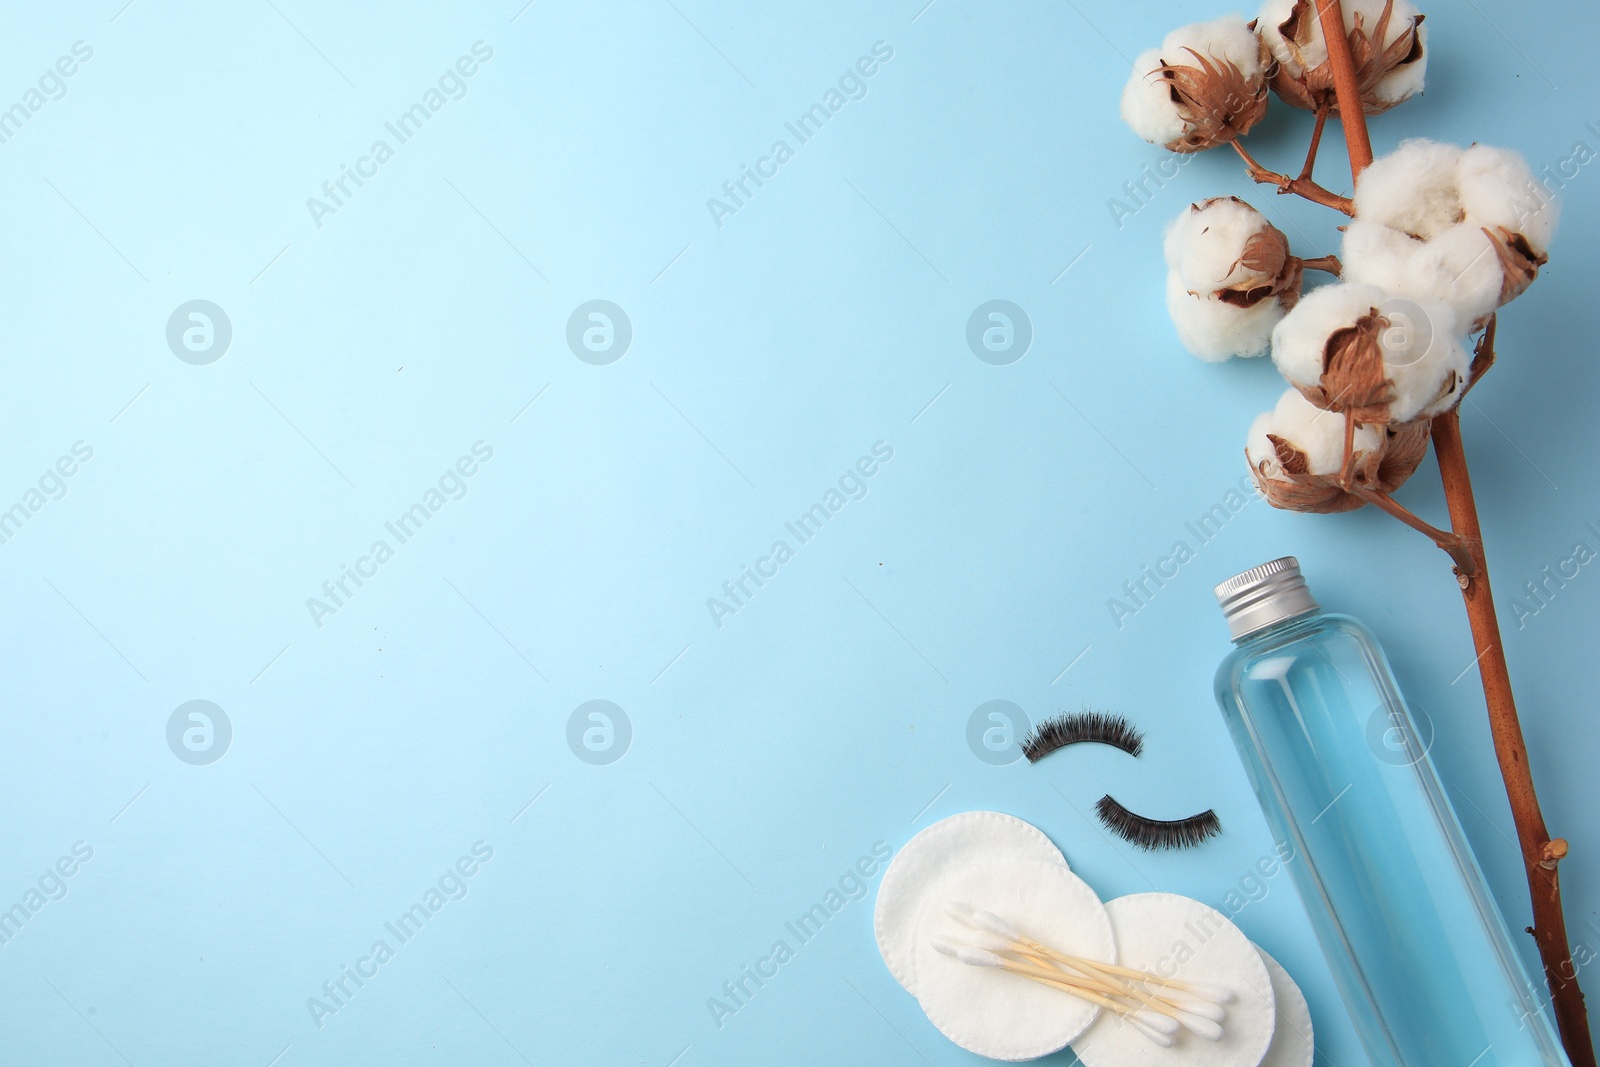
1272 629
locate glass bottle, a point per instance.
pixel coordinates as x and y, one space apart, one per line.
1417 948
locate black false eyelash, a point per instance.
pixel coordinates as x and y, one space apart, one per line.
1082 727
1153 834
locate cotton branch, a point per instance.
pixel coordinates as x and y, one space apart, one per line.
1541 854
1301 186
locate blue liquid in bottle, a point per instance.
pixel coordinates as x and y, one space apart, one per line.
1419 952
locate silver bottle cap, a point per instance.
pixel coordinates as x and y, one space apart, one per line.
1264 595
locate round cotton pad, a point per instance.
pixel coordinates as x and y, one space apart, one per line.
973 838
984 1009
1292 1041
1171 935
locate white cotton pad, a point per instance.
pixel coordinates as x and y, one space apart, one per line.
1292 1041
1180 938
984 1009
973 838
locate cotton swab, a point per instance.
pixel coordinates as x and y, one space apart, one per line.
1194 1006
1194 1022
992 923
977 957
972 954
1156 1028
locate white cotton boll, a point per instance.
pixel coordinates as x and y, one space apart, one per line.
1205 242
1229 38
1426 360
1374 254
1428 381
1273 14
1298 342
1405 81
1147 104
1215 331
1391 66
1225 244
1458 268
1486 226
1423 362
1314 52
1205 86
1498 189
1317 433
1415 188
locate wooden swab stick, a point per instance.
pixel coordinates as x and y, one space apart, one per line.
981 957
985 920
1109 986
1200 1016
1197 1023
1156 1028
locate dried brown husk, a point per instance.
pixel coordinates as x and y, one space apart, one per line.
1354 380
1273 273
1313 87
1404 447
1215 99
1292 487
1519 263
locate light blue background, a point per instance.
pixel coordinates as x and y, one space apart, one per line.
768 354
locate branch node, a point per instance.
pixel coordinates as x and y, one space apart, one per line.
1457 547
1302 186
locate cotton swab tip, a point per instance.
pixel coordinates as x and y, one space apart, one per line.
1154 1036
1200 1027
1195 1006
992 942
979 957
1163 1024
979 942
988 920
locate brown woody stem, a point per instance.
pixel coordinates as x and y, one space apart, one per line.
1348 467
1482 356
1303 187
1456 546
1352 112
1316 142
1541 854
1326 264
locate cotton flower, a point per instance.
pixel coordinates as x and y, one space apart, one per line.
1204 86
1296 454
1379 358
1468 228
1230 278
1415 189
1387 43
1459 268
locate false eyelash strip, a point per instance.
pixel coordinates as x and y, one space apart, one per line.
1153 834
1082 727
